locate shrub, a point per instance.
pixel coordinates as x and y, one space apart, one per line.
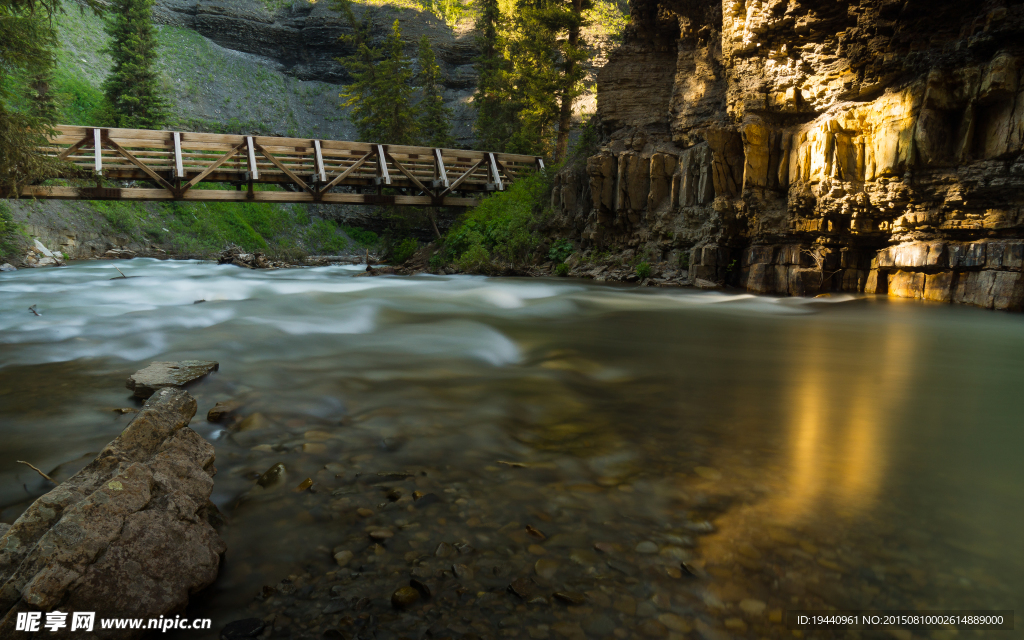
404 250
684 260
643 270
437 261
363 237
476 259
503 225
562 270
560 250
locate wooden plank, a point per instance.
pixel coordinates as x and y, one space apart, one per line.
98 150
73 193
382 165
179 169
254 170
540 164
320 162
296 179
196 180
63 155
138 163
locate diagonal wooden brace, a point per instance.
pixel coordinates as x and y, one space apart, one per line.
406 173
210 169
138 163
277 163
455 185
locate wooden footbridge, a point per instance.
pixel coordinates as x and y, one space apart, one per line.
175 164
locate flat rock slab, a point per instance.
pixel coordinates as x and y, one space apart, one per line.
130 536
160 375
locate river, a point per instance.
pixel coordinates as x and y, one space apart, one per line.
847 452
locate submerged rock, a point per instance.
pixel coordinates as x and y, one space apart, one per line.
129 535
159 375
7 266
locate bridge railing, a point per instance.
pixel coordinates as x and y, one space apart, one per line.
177 162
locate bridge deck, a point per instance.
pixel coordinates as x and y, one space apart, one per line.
329 171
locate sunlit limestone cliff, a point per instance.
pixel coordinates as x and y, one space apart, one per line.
809 146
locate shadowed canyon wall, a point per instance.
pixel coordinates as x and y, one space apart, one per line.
803 146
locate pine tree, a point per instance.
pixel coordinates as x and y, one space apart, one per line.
131 90
27 42
546 52
494 99
435 118
381 95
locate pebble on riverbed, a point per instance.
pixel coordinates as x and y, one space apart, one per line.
404 597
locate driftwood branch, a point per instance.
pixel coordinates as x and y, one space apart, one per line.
122 274
37 470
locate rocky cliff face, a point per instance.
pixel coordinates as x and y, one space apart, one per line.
802 146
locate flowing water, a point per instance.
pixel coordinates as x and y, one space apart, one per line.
697 462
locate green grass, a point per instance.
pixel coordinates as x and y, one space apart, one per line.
202 229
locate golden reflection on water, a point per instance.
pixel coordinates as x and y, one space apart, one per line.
837 423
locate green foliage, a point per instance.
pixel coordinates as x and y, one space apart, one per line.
560 250
437 261
133 97
122 217
322 236
502 226
381 95
475 259
562 270
404 250
684 260
643 270
611 17
435 118
531 72
494 101
450 11
27 43
8 228
362 237
79 102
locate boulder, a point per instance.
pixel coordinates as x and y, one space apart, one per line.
238 257
7 266
130 535
119 254
159 375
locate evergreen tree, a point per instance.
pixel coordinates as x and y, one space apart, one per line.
435 118
27 42
381 95
132 96
546 53
494 99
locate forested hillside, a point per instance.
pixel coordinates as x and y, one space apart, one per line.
269 68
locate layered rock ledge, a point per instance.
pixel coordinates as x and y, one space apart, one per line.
806 146
129 536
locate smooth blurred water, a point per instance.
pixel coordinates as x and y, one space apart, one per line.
850 452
